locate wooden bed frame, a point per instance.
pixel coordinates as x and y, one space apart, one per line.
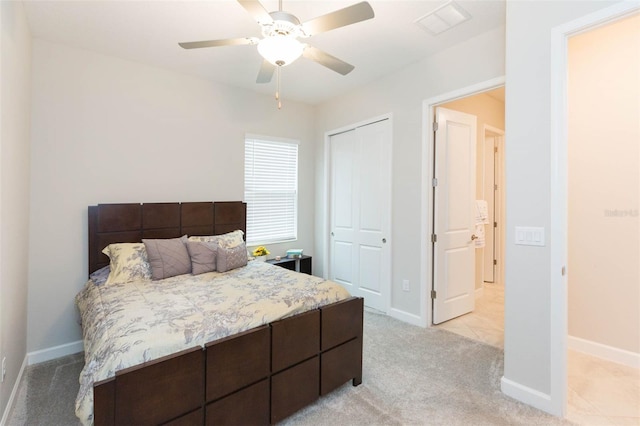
260 376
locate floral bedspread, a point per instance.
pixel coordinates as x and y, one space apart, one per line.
127 324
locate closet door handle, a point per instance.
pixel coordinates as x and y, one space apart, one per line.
474 237
384 240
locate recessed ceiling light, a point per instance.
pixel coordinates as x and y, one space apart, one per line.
443 18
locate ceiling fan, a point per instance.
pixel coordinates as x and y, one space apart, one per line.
279 45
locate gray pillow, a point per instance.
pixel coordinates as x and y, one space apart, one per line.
100 276
231 258
203 256
168 257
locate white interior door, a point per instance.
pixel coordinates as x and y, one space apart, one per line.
360 212
454 214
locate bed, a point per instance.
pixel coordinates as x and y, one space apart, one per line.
259 375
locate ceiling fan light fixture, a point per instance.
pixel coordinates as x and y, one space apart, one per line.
280 50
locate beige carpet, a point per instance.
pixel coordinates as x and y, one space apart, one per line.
412 376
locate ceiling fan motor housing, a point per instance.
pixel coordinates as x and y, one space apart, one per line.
284 24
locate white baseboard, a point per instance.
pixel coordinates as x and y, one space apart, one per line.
14 393
48 354
406 317
608 353
527 395
479 292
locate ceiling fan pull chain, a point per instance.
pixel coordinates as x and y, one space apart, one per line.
278 87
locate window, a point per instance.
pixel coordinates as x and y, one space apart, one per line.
271 190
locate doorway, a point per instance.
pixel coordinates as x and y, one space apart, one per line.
559 275
428 161
488 107
602 264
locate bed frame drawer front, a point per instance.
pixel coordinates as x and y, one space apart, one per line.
341 322
190 419
179 379
237 361
249 406
340 365
294 389
295 339
104 402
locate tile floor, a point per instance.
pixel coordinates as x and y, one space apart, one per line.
600 392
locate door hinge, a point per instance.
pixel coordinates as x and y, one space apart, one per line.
495 224
495 261
433 294
434 182
495 187
435 126
434 238
495 149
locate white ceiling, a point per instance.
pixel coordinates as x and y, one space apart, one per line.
149 32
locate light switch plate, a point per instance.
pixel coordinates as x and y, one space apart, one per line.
529 236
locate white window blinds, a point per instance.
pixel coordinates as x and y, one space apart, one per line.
271 190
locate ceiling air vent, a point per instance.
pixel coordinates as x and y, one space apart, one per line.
443 18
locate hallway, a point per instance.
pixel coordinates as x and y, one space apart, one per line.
601 393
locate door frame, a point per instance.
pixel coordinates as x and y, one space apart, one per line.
558 297
499 204
326 198
426 205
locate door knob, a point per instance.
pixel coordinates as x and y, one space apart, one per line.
474 237
332 234
384 240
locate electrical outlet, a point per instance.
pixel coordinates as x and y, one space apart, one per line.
4 368
405 285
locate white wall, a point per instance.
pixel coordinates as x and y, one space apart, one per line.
402 94
528 171
15 86
108 130
604 185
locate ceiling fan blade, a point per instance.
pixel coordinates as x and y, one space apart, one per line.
266 72
323 58
340 18
257 10
222 42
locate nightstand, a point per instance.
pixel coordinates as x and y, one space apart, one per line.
302 264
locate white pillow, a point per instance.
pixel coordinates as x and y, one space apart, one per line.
128 262
228 240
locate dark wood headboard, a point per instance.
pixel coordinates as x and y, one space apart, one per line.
130 223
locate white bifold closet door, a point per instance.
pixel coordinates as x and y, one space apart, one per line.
360 212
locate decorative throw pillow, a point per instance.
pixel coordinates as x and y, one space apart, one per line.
168 257
228 240
100 276
231 258
128 262
231 239
203 256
